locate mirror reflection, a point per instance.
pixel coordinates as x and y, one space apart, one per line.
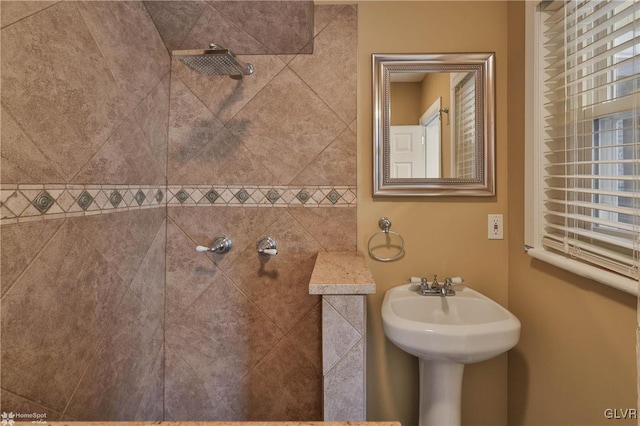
432 125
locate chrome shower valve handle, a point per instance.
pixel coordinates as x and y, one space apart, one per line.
267 246
220 245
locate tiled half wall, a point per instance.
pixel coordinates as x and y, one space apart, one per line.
117 161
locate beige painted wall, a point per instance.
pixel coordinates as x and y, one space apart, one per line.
405 104
446 236
576 355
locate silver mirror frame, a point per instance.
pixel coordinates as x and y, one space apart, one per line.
484 66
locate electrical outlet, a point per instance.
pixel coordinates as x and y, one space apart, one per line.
495 227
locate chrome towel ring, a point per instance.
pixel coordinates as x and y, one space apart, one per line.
385 225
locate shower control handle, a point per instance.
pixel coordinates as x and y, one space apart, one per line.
220 245
267 246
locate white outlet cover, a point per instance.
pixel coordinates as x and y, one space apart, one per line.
495 227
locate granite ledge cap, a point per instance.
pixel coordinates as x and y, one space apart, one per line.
341 273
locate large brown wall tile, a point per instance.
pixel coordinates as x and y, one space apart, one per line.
12 403
54 316
174 19
20 244
123 239
13 11
330 70
67 118
113 385
285 126
325 224
151 407
130 43
213 27
22 161
187 397
284 27
202 150
336 165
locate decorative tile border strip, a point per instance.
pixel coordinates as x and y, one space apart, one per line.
261 196
23 203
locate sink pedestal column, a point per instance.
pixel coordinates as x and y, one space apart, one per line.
440 392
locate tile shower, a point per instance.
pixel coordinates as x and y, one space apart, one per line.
117 162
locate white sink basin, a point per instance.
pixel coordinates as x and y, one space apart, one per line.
465 328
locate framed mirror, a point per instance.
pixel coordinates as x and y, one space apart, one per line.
434 124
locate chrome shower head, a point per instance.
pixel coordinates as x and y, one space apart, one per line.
213 61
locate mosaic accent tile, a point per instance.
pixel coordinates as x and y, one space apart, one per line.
43 202
115 198
273 196
242 195
212 196
140 197
84 200
333 196
182 196
37 202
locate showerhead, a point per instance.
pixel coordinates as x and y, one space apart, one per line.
213 61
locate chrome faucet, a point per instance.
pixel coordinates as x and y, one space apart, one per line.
435 289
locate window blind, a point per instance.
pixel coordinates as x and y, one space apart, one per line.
590 63
465 126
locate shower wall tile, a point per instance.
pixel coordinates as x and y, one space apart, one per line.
67 118
336 165
71 73
126 248
202 150
152 115
148 284
22 161
283 27
323 15
286 276
130 43
126 158
187 275
330 70
223 95
151 407
285 126
20 244
54 317
188 397
222 336
113 385
297 384
175 19
13 11
344 399
342 223
213 27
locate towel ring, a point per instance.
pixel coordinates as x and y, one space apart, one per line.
385 224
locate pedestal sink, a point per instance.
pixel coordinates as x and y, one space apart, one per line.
446 333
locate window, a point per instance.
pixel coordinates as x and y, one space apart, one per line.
463 114
586 180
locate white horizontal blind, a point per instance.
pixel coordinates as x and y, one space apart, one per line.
465 126
591 128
